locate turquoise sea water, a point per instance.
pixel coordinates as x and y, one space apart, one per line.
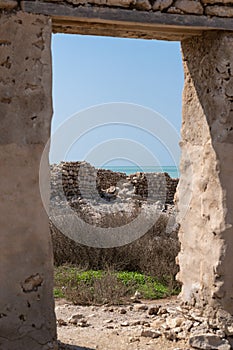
171 170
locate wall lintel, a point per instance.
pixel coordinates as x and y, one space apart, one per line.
125 22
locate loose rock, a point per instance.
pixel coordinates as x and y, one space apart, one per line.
174 322
140 307
61 322
153 310
209 342
122 311
150 333
74 319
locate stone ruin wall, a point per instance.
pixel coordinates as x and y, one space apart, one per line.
116 202
146 19
182 7
105 198
103 180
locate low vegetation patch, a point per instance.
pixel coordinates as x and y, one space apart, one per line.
106 286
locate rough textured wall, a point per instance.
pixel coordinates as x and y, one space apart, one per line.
26 300
206 233
78 177
217 8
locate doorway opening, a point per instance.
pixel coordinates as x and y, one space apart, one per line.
125 97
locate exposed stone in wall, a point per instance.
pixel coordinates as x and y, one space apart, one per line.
189 6
220 11
213 2
160 5
26 299
195 7
206 232
8 4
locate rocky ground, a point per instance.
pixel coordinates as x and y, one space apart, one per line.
144 325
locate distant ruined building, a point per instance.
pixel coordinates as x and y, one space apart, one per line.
103 198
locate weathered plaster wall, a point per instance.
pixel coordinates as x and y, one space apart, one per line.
26 300
206 233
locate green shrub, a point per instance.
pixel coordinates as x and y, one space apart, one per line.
101 287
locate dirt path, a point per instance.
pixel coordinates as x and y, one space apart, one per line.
129 327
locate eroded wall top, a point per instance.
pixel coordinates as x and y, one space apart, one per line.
149 19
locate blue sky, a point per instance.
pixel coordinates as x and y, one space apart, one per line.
90 71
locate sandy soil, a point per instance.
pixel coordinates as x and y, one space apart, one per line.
111 328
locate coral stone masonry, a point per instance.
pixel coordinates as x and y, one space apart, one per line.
205 191
26 301
206 232
146 19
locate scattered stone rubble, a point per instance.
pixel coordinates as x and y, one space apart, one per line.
105 198
198 329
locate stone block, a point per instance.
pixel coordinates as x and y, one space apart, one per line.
189 6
